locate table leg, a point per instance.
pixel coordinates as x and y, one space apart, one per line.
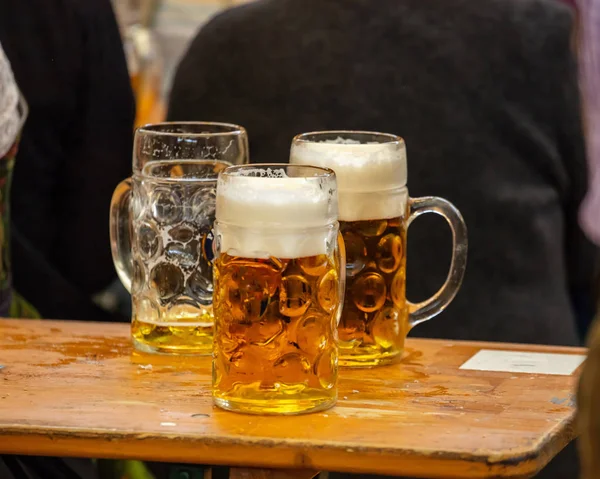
247 473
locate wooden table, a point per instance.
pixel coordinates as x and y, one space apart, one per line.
78 389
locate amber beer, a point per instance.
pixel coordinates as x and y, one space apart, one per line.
375 317
374 213
277 290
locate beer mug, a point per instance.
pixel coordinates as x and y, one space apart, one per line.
168 209
375 212
194 140
279 284
199 150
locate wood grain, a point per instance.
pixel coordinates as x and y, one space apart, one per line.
241 473
78 389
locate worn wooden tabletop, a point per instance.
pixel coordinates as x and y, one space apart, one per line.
78 389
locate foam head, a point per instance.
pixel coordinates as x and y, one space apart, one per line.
284 211
370 169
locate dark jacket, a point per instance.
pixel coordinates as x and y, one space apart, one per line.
485 95
68 61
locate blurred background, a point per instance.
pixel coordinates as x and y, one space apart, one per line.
156 34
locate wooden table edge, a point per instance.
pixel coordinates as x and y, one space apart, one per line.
52 441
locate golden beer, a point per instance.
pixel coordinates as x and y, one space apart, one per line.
374 213
275 345
278 286
374 323
177 335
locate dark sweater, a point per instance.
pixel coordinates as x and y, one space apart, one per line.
484 93
68 61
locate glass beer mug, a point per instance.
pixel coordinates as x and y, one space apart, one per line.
375 212
166 263
167 208
193 140
279 283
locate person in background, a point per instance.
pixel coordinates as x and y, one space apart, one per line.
13 112
485 95
68 61
588 397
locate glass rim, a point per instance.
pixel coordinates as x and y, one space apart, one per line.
347 134
146 175
323 172
155 129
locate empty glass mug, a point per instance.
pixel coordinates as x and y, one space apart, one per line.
164 205
164 253
194 140
279 284
375 212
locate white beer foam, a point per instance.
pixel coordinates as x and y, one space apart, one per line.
371 176
282 217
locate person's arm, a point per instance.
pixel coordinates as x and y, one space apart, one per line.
44 287
99 153
581 254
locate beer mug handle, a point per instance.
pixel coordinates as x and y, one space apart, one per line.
421 312
340 258
120 232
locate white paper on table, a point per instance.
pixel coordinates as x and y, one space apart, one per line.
524 362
